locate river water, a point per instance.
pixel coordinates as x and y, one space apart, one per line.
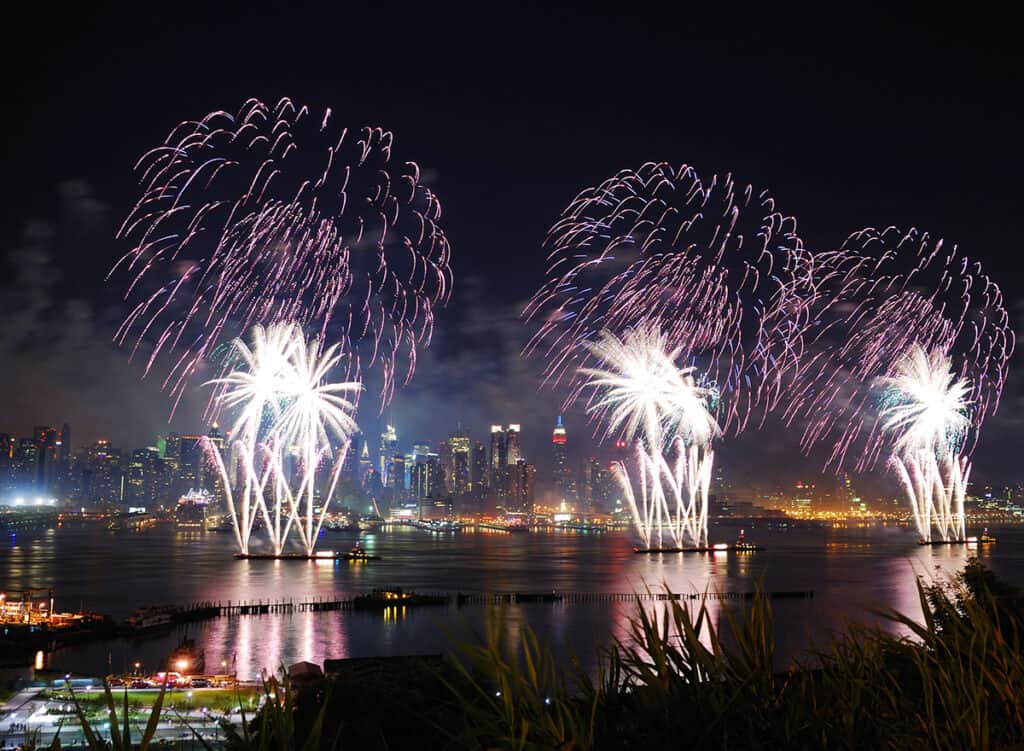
853 572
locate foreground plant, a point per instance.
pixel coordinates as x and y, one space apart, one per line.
954 681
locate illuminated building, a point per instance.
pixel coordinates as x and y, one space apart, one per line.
427 477
209 478
103 479
497 447
6 453
351 470
498 479
506 453
172 452
513 452
396 475
478 470
444 452
47 458
522 477
388 451
459 475
25 462
143 477
565 485
365 464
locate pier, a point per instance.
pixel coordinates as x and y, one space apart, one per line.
269 607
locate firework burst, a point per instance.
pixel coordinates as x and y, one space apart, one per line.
899 350
272 214
701 261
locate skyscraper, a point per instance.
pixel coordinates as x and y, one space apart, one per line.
497 447
497 481
513 453
565 485
444 452
104 479
47 458
521 484
351 469
365 464
458 475
478 470
25 463
7 445
144 476
388 451
426 476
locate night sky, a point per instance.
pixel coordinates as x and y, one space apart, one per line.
850 117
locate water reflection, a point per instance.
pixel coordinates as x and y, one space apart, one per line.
853 573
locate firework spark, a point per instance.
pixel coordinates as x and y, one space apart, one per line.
927 409
899 350
861 310
703 262
275 214
640 393
926 404
288 414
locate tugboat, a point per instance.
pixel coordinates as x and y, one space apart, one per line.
359 553
187 659
986 537
744 546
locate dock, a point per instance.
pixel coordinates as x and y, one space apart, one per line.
459 599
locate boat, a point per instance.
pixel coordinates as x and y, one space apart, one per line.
187 658
155 616
358 553
387 598
983 539
743 545
369 523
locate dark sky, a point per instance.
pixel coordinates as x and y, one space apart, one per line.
851 116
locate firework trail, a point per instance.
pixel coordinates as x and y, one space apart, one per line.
275 213
889 316
702 263
287 413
